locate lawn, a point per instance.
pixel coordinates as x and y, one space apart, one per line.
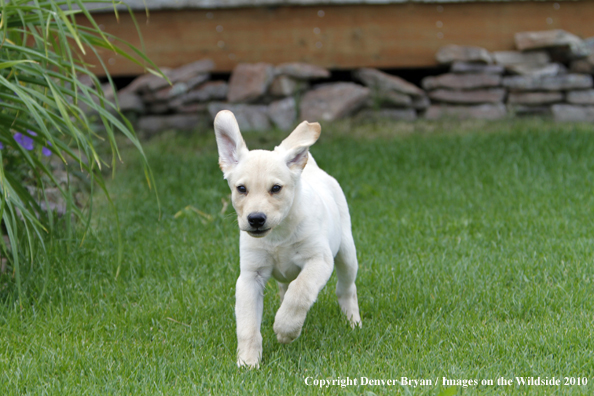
476 251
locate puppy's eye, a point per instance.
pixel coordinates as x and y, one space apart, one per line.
242 189
275 189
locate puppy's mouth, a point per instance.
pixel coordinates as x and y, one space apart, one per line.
258 233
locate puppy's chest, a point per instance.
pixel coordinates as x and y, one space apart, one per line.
287 263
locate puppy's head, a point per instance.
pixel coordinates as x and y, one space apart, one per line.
263 183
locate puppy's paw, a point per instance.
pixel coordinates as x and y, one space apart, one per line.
287 338
249 352
287 327
249 365
250 362
355 322
350 307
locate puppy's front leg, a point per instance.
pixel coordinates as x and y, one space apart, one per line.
300 296
249 300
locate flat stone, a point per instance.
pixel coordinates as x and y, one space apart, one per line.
177 90
186 77
108 94
484 112
332 101
85 80
509 58
158 108
55 198
59 208
561 45
537 70
535 98
527 111
164 94
148 82
190 71
283 113
384 82
396 99
302 71
474 67
573 113
192 108
284 85
389 98
581 66
491 95
249 117
585 97
108 91
453 53
462 81
154 124
568 53
420 102
545 39
181 88
130 103
211 90
194 81
589 44
388 114
585 66
548 83
249 81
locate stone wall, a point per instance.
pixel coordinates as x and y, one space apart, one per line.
550 74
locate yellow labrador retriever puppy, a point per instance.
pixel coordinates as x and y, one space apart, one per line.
294 226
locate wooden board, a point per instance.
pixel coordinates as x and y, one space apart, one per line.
337 37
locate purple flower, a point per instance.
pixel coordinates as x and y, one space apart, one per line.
24 141
1 146
45 151
27 142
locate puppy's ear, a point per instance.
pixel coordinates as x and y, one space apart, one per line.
229 141
297 144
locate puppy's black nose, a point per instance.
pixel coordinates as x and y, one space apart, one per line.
256 219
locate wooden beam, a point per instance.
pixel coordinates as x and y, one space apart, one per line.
337 37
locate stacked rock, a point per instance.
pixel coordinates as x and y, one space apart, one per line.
261 95
248 86
541 83
536 82
471 89
151 96
585 65
332 101
391 97
546 94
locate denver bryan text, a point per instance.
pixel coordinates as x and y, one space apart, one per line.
366 381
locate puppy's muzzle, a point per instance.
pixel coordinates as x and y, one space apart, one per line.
257 220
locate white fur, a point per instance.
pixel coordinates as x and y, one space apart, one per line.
307 230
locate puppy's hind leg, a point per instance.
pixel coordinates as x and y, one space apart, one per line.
346 272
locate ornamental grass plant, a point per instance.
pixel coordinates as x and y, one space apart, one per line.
47 95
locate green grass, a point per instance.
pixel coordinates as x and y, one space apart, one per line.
476 252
